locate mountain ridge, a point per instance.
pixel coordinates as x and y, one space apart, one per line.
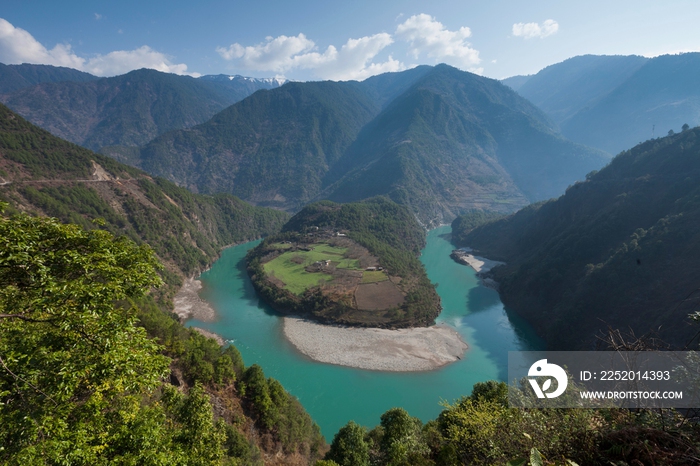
618 249
16 77
455 115
126 110
615 102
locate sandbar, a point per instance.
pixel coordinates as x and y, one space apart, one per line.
188 304
404 350
479 264
211 335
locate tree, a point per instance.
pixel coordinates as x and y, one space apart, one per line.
198 439
73 364
671 132
402 441
685 127
258 391
349 447
491 390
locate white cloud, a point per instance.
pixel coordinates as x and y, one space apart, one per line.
123 61
279 54
530 30
98 16
428 36
354 59
282 54
19 46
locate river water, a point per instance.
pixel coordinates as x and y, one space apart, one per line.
334 395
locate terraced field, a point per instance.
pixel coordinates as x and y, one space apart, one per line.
300 270
337 268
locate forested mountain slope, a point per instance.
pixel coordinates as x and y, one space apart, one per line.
455 141
15 77
619 249
43 174
272 148
437 139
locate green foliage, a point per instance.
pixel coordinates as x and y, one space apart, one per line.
490 390
482 430
196 436
78 372
73 362
402 439
203 361
105 410
240 449
258 391
277 411
349 447
378 218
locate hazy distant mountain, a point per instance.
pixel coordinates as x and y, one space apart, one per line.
437 139
661 95
620 249
563 89
15 77
128 110
615 102
516 82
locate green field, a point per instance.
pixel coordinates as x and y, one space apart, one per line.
352 264
289 267
374 276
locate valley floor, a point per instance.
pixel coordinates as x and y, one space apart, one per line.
405 350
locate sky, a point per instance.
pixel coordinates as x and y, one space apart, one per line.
352 39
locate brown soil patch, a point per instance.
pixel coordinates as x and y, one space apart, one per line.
378 296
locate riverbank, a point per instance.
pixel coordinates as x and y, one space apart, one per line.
405 350
480 264
188 304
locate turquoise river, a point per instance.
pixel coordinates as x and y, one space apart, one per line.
334 395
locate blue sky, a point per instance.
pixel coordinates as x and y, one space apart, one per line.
314 40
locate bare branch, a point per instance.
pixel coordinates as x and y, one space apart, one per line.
25 381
